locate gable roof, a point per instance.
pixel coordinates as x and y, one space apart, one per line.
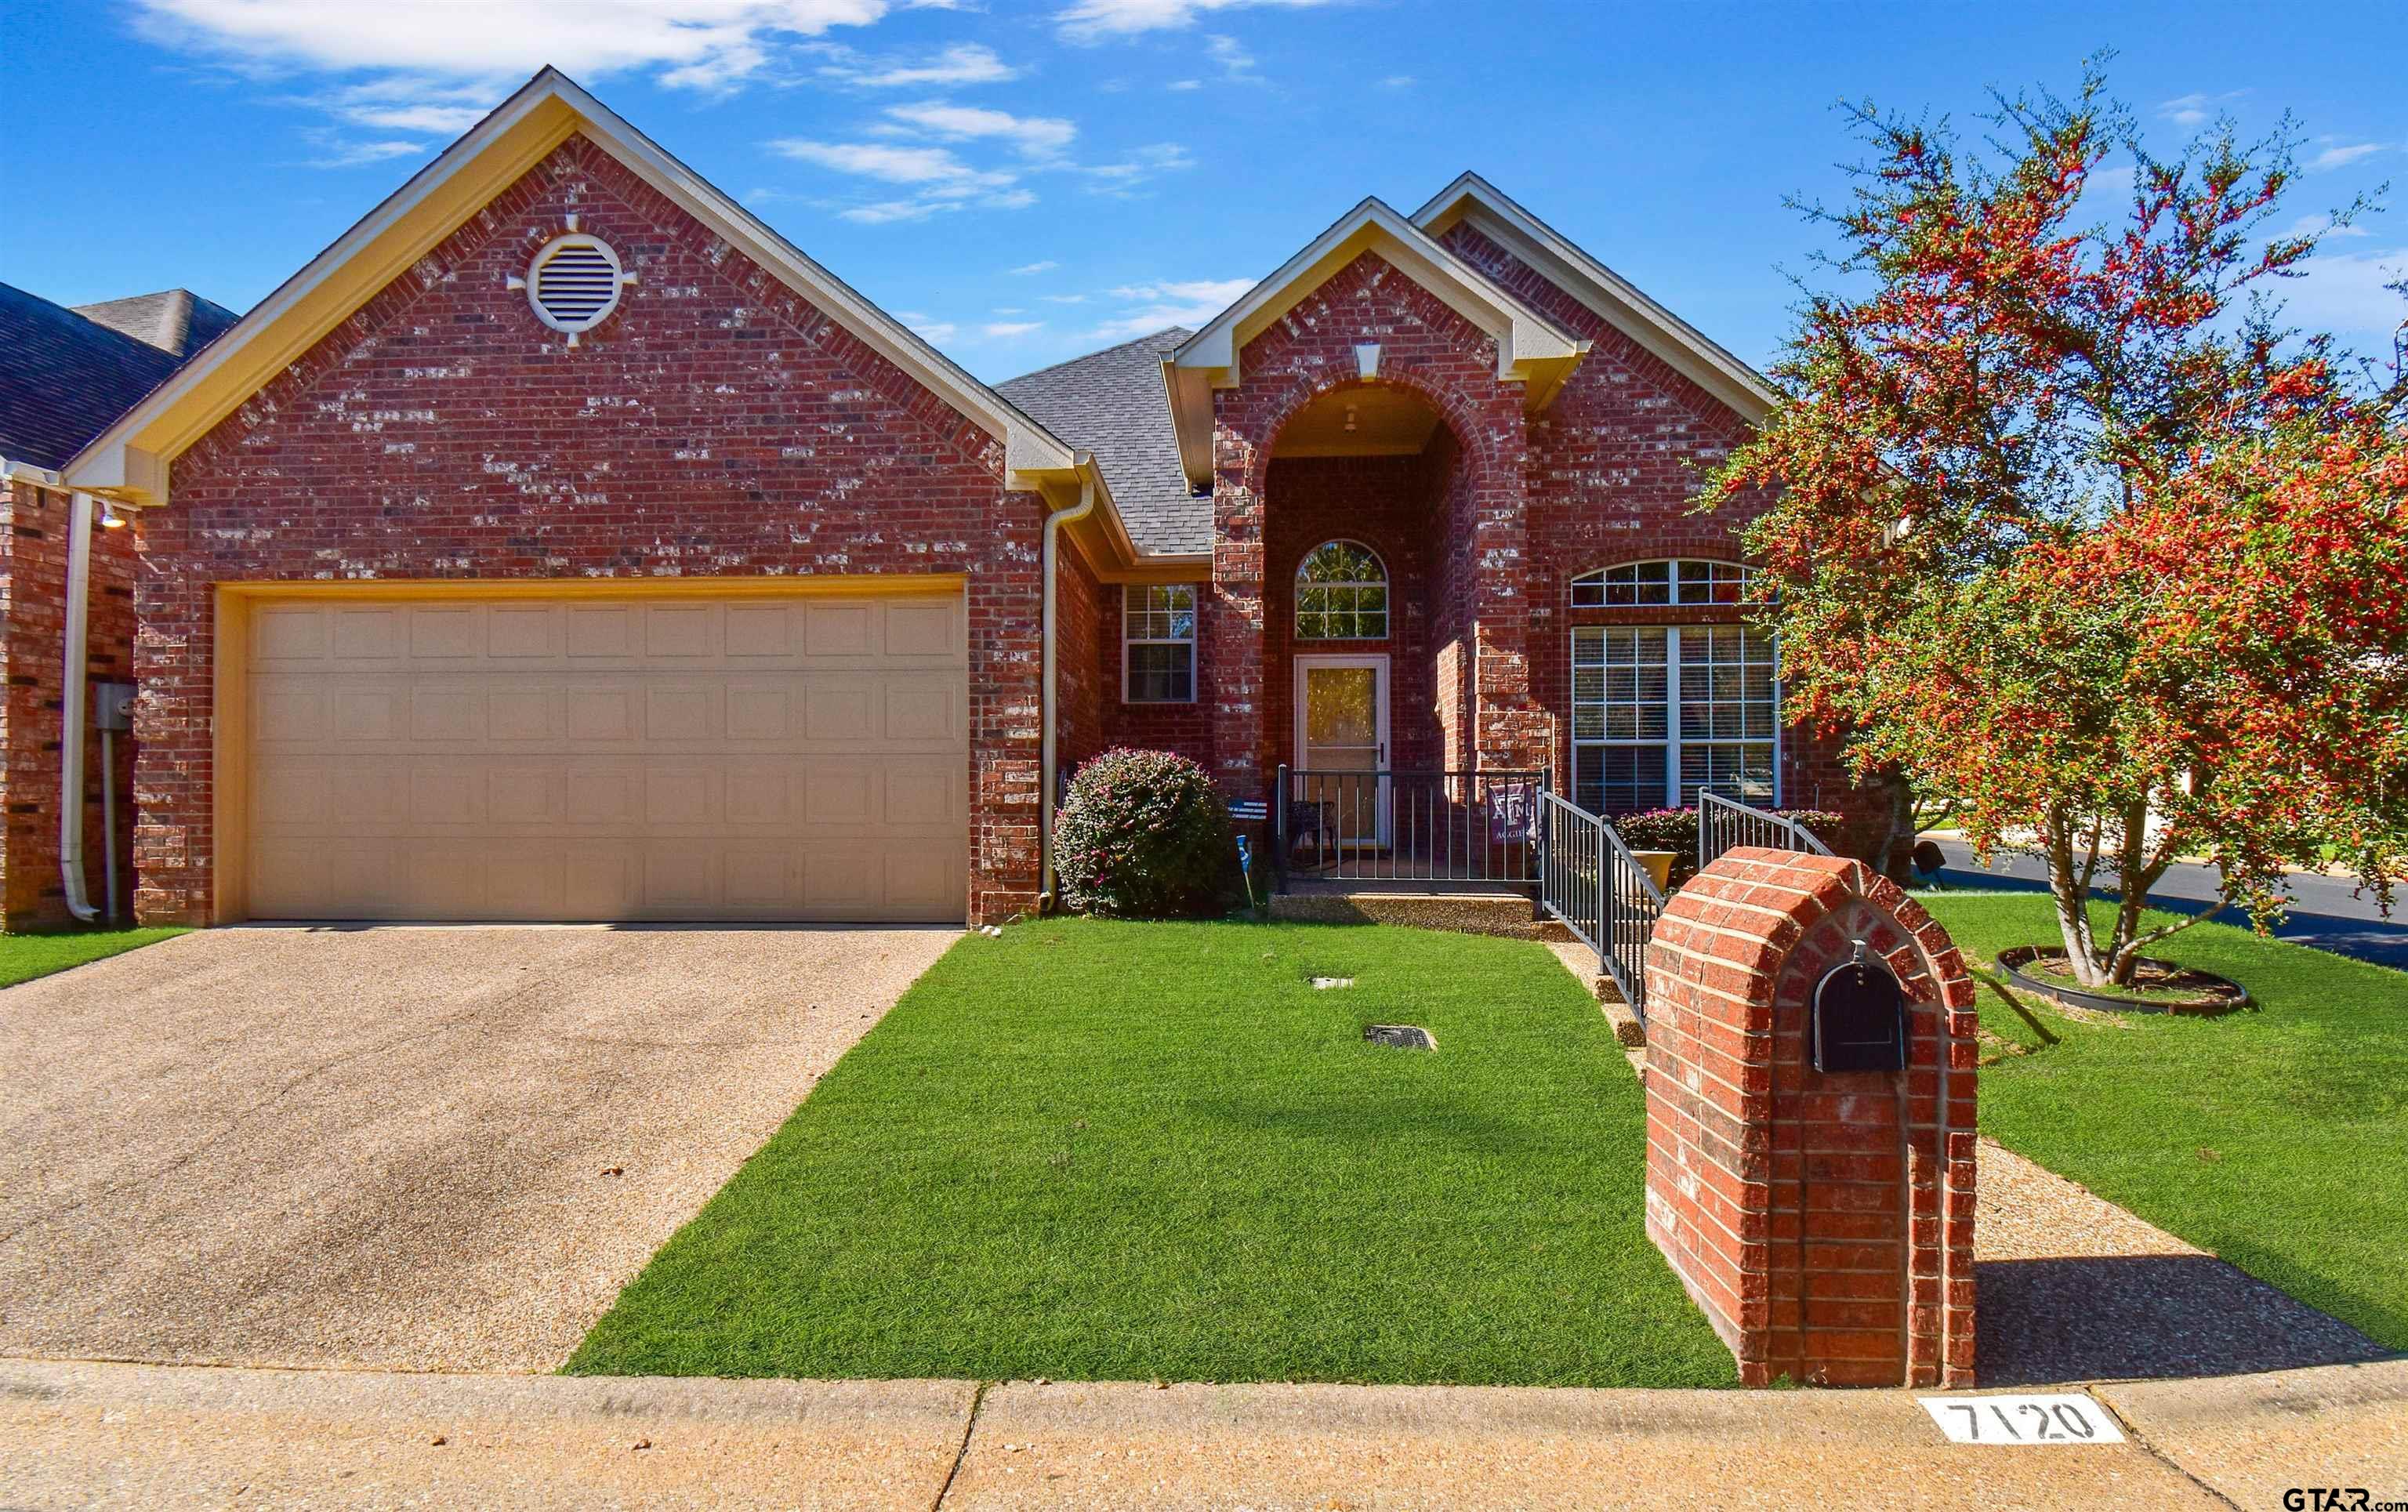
1112 403
1530 347
130 460
1615 299
64 378
178 321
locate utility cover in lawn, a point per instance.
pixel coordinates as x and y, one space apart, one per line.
1128 1151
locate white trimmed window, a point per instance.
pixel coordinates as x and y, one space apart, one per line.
1661 711
1158 643
1646 584
1341 594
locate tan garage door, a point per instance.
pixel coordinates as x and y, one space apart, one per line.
577 759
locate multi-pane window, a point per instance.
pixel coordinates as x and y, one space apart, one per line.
1640 584
1341 594
1158 643
1660 712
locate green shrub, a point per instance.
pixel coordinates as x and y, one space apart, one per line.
1676 830
1144 835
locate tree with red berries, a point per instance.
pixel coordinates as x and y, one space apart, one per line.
2063 521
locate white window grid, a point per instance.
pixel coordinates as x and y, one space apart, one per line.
1158 619
1705 700
1672 580
1353 607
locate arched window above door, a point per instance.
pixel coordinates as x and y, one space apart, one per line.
1341 594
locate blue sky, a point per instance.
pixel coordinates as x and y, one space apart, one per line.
1025 182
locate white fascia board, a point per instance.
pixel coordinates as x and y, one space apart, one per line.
1614 299
383 244
1524 338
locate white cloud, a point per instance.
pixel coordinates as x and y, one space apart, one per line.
353 154
1237 63
1064 299
964 63
926 329
1093 20
1004 330
2319 225
2342 154
1006 309
698 44
1400 81
1027 270
1184 301
1139 165
2194 109
2345 293
893 162
1181 85
1036 135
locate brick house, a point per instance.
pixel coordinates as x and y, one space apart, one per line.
563 543
65 374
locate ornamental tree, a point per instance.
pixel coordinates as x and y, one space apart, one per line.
2064 523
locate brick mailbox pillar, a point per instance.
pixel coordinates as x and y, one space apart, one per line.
1822 1219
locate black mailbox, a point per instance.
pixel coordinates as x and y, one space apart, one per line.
1859 1016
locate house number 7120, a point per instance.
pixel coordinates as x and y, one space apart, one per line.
2065 1418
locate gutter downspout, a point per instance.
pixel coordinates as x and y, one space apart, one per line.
77 675
1047 735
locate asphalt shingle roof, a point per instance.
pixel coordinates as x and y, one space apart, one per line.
1113 403
178 321
64 378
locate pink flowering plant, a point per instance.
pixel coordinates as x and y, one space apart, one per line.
1144 835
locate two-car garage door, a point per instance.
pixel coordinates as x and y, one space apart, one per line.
748 756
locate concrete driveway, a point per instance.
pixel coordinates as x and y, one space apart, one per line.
416 1147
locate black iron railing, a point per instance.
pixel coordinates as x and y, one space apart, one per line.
1724 823
1372 826
1590 881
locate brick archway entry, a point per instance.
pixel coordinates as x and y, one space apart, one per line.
1824 1221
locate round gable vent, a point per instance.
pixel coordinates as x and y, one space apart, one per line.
574 283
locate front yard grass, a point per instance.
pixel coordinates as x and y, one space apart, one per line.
24 957
1116 1151
2276 1138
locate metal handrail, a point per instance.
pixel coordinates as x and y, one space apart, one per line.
1592 883
1385 825
1724 823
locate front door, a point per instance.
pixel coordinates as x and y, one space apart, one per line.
1341 740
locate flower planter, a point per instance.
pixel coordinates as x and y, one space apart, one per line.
2218 996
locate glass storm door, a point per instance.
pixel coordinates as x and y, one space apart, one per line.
1341 730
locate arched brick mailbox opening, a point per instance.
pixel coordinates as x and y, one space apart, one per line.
1822 1218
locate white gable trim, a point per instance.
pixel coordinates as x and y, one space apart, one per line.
1614 299
1531 350
131 460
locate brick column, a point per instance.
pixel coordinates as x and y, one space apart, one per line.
1823 1222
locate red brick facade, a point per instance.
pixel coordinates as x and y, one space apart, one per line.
33 617
1823 1222
716 425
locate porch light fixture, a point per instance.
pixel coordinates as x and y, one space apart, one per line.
110 518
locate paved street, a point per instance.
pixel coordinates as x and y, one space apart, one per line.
2327 915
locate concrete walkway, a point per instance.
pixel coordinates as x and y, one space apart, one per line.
82 1434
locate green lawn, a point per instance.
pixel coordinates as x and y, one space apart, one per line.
24 957
1129 1152
2278 1138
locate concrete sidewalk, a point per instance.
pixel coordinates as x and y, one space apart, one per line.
85 1435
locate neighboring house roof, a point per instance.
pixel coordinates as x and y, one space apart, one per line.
178 321
64 378
1112 403
131 460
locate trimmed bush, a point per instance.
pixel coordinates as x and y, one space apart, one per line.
1676 830
1144 835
